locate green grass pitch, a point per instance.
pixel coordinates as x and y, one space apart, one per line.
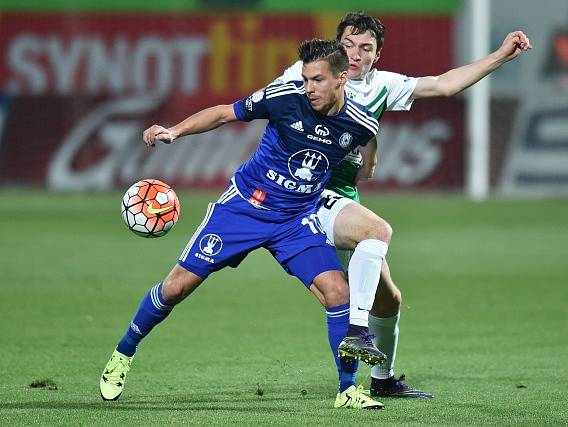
484 321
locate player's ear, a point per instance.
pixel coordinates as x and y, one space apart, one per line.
378 55
343 77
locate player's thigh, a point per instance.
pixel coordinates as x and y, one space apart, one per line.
330 206
309 262
303 249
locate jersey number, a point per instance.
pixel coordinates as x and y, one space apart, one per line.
314 223
329 201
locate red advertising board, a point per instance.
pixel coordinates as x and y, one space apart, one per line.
78 89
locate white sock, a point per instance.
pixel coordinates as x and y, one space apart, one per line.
385 330
364 273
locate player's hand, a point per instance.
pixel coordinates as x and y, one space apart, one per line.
514 44
157 133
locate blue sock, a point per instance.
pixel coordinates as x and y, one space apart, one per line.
348 372
152 310
337 326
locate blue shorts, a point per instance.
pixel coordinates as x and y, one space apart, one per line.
233 227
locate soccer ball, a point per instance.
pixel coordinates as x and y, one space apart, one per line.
150 208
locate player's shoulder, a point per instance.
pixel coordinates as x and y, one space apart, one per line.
385 78
284 89
361 115
292 73
353 105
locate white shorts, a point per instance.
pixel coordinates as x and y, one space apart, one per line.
331 205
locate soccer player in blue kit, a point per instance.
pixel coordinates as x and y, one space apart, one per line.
273 197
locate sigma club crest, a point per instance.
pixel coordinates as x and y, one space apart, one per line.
308 165
210 244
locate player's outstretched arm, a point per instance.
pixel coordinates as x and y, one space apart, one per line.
203 121
458 79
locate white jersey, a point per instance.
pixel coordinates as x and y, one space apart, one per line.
378 91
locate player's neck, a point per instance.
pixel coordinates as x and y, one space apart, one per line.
336 107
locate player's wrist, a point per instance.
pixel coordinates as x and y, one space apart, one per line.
174 133
500 56
495 60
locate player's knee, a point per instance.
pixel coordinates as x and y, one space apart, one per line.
397 298
179 284
332 288
392 297
173 291
176 287
336 294
379 229
388 299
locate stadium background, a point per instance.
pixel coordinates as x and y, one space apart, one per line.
79 81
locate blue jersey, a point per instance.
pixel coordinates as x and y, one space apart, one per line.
299 147
271 202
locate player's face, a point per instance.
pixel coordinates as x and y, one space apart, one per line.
362 52
323 89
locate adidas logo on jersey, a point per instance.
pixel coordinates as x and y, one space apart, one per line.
298 126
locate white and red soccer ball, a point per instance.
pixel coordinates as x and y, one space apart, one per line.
150 208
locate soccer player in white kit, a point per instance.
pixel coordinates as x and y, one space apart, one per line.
354 229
